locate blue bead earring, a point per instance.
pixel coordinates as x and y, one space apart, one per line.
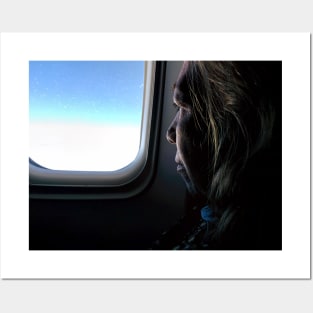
207 215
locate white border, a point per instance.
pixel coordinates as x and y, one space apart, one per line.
292 262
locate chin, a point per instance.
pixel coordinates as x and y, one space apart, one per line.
195 194
191 190
198 196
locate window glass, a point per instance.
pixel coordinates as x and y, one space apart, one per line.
85 115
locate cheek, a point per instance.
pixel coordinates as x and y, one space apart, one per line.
184 137
193 153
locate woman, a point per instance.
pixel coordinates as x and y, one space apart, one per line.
227 131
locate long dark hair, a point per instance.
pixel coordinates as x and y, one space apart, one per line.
237 110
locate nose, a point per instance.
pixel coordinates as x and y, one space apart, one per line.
171 133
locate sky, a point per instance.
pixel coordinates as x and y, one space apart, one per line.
85 115
91 91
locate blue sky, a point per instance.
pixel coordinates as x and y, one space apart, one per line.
108 92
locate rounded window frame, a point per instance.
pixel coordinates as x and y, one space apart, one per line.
122 183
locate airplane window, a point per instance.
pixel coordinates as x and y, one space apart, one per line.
85 115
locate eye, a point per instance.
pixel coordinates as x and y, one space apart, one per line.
176 107
184 109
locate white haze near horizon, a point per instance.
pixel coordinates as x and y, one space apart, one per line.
83 146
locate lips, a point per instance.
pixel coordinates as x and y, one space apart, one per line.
180 167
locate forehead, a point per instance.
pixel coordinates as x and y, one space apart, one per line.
180 88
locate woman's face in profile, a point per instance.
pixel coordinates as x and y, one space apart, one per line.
191 159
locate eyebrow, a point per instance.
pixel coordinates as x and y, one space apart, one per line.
174 96
179 97
178 101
